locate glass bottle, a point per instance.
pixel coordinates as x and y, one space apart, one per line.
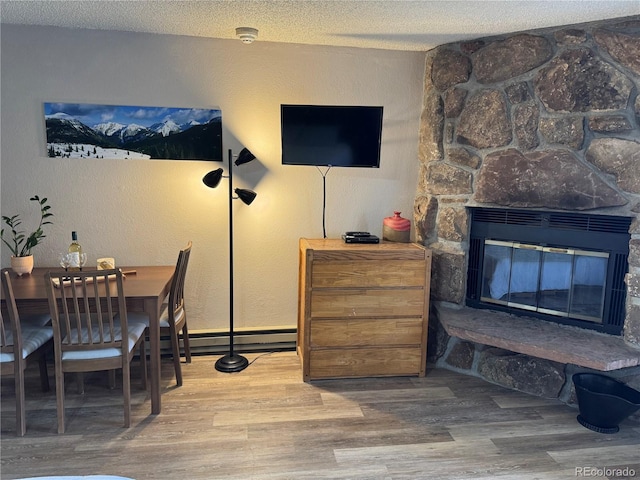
75 253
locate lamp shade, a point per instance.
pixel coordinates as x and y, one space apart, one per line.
247 196
212 179
245 156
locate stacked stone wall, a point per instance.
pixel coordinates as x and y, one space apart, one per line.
546 119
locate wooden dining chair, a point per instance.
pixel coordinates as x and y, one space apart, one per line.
19 346
87 335
173 318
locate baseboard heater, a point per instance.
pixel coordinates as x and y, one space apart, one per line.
247 341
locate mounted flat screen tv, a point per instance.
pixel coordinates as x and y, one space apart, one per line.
331 135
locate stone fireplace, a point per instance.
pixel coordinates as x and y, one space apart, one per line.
546 120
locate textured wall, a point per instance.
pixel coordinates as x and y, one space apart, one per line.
144 211
547 119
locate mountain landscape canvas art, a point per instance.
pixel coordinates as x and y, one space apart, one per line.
79 130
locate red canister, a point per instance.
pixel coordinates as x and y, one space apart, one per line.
396 229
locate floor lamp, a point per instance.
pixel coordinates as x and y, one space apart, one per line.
231 362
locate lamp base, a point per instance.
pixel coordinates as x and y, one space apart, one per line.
231 363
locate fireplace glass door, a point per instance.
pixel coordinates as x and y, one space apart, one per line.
554 281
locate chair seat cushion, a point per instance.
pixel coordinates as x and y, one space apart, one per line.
164 316
35 320
32 339
136 330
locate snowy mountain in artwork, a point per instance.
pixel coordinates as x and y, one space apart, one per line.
109 129
124 133
166 128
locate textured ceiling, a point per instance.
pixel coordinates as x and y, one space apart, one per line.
386 24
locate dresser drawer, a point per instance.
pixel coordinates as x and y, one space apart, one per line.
366 332
335 302
364 362
368 273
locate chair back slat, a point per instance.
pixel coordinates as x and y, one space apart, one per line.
83 310
122 310
11 332
87 309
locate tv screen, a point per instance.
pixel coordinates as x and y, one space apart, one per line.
331 136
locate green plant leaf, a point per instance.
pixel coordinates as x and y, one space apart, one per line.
19 244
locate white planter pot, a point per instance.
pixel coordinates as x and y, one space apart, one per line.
22 265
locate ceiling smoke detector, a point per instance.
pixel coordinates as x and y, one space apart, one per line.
247 34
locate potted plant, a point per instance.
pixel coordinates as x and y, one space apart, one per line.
19 244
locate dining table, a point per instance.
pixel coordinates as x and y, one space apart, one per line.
145 289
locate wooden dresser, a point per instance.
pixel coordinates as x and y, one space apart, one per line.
363 308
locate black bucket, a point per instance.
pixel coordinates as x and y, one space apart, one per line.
604 402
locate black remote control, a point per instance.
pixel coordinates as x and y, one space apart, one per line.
357 234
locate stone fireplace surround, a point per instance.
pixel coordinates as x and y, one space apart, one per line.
548 120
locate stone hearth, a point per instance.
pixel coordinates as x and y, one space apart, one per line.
536 357
546 119
546 340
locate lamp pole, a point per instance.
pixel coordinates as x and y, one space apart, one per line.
231 362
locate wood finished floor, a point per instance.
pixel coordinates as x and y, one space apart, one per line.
265 423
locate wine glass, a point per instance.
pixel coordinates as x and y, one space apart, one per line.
65 261
82 260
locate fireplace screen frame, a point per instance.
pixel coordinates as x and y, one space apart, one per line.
554 231
556 281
